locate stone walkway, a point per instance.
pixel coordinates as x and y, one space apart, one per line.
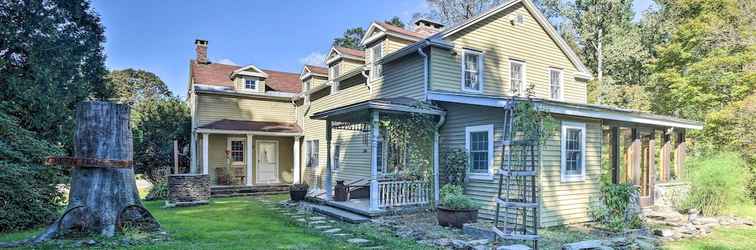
310 219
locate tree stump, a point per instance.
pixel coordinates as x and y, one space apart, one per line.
103 198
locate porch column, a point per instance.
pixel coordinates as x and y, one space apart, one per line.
205 143
680 153
615 144
328 174
651 165
635 156
250 159
375 135
297 165
436 179
193 153
666 158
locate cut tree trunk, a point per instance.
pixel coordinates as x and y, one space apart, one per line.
102 200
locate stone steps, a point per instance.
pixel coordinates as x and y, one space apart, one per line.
336 213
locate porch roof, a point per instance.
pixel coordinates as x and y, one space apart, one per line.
250 127
361 111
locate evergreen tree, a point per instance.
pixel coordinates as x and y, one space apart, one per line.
351 39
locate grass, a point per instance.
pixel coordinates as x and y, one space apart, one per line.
724 238
237 223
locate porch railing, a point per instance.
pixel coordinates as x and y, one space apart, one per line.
403 193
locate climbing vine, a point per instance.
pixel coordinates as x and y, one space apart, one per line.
409 141
531 123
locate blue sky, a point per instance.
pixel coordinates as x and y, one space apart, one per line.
158 36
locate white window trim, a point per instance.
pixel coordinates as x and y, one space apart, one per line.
257 84
524 81
482 128
561 83
481 68
372 75
572 178
244 149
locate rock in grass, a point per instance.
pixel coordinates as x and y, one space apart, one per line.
514 247
358 241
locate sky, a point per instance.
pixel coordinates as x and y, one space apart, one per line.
158 36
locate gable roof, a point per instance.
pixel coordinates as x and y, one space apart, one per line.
317 69
540 18
389 29
249 70
341 52
217 74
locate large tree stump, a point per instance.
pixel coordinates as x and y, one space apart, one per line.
103 199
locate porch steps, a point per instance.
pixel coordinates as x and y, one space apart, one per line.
234 191
336 213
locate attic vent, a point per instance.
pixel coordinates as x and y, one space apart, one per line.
519 20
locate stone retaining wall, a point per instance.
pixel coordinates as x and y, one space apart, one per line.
670 194
188 189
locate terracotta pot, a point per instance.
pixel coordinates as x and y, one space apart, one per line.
297 195
456 217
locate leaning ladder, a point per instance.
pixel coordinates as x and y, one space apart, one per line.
516 202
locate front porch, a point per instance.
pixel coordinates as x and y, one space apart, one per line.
387 189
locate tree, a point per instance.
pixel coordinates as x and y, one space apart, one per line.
351 39
134 85
155 124
452 12
396 21
51 58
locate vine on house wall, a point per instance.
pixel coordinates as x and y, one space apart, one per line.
531 123
409 140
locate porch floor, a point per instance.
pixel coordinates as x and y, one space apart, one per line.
232 191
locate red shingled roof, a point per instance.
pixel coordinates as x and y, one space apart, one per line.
220 75
243 125
317 69
351 52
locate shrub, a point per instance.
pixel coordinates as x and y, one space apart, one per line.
29 193
614 208
453 197
717 180
159 191
454 166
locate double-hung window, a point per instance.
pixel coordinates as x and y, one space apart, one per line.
517 77
236 150
472 71
250 84
479 145
376 52
312 153
555 81
573 151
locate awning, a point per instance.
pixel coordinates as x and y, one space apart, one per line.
227 126
361 111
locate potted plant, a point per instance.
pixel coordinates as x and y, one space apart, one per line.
456 209
297 192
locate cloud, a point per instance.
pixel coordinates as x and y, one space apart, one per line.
314 58
225 61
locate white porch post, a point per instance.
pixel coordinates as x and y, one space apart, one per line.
297 166
374 192
436 179
193 153
328 174
250 159
205 143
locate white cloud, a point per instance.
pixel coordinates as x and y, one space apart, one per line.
225 61
314 58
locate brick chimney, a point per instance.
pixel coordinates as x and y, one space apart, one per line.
200 46
427 27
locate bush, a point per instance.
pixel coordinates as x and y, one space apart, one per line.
159 191
29 193
614 208
453 197
717 180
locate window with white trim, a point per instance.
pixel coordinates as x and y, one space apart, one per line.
334 71
555 80
479 145
517 77
573 151
376 69
236 150
472 71
250 84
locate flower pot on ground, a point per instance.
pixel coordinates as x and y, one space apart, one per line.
456 209
297 192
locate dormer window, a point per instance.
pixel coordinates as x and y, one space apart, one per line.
250 84
376 53
334 71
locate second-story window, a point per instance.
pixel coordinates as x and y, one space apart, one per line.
376 53
555 80
334 71
517 77
250 84
472 71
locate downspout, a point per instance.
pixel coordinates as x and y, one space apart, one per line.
436 149
367 83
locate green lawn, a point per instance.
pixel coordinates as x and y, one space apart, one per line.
725 238
236 223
